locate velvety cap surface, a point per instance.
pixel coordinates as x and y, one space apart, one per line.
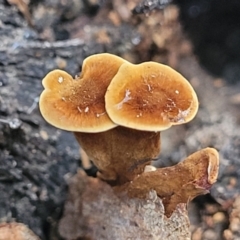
150 96
78 104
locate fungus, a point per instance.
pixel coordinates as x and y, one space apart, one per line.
121 135
150 97
78 104
117 110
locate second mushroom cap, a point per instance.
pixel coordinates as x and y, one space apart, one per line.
150 96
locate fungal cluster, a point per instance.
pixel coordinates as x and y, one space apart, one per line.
117 110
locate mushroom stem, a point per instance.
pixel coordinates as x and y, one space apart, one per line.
120 154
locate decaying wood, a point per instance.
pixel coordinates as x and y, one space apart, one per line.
94 211
152 206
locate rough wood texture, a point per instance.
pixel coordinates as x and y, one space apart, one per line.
93 211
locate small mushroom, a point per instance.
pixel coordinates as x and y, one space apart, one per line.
78 104
121 135
149 97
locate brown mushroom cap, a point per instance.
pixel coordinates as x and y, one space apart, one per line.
78 104
150 96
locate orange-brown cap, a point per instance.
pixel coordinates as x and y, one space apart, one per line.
78 104
150 96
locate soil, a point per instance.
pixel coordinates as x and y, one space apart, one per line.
37 160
